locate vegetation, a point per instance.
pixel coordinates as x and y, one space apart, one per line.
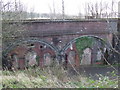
49 77
84 42
54 77
17 15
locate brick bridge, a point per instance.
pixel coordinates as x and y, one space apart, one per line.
56 40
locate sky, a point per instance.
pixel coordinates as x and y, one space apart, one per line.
72 7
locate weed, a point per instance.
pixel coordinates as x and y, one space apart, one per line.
53 77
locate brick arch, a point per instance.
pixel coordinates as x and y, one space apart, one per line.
17 48
21 41
66 48
93 36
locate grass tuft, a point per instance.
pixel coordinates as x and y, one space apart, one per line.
53 77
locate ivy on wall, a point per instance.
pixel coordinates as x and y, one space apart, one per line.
82 43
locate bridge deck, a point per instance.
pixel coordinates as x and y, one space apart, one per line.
61 20
48 27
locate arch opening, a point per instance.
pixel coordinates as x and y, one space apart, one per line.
89 50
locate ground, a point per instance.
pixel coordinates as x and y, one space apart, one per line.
57 77
93 71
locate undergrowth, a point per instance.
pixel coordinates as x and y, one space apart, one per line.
53 77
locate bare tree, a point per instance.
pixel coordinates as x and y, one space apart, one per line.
106 10
0 35
52 8
63 10
119 9
101 9
54 11
12 11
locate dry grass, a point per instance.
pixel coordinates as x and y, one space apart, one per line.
54 77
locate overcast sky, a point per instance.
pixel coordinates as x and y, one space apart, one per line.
72 7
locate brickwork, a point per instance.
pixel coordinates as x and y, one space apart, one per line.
59 34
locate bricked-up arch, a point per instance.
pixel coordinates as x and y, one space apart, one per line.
21 47
72 43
